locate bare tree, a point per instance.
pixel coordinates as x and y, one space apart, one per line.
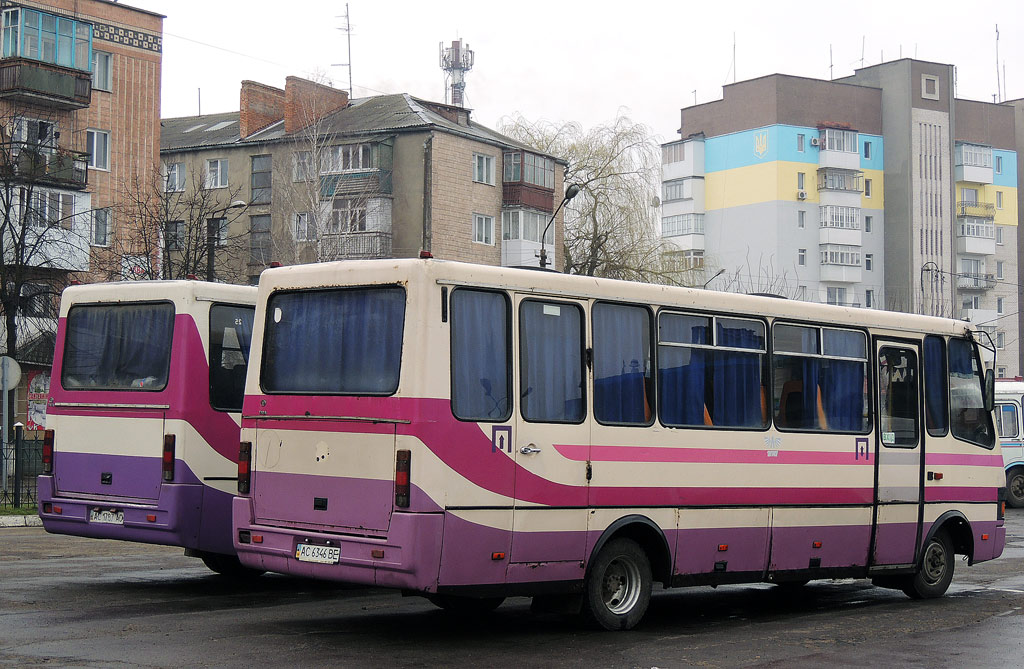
44 224
611 226
763 279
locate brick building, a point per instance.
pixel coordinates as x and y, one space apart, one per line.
304 174
79 119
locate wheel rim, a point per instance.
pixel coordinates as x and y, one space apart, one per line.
620 587
934 563
1017 486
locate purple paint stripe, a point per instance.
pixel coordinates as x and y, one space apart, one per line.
721 496
583 453
976 460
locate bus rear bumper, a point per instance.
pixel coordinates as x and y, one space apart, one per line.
407 558
172 520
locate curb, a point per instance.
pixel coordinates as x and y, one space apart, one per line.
20 521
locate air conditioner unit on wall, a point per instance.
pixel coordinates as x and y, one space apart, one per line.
801 195
815 141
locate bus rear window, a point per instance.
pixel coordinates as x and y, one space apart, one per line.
342 341
118 347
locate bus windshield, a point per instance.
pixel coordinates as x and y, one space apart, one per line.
341 341
118 347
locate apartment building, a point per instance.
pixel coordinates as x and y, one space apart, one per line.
303 174
878 190
79 119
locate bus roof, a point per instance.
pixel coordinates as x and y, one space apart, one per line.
143 291
369 272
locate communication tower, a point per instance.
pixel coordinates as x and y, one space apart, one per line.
456 61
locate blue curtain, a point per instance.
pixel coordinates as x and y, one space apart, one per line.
935 385
118 347
798 395
842 381
335 341
480 378
551 360
682 370
621 354
961 358
737 378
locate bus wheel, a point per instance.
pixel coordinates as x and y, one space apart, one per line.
617 588
229 566
1015 487
935 571
466 605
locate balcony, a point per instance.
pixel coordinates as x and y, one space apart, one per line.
969 281
359 183
517 194
975 237
975 209
28 163
34 82
979 316
355 245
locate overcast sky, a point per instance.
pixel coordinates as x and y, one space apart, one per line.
576 61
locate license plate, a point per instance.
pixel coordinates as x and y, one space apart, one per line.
314 553
106 516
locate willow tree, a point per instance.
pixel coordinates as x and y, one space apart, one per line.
612 225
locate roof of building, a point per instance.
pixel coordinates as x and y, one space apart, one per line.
363 116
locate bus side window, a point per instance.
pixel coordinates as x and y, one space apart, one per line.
968 419
230 338
622 364
481 376
935 386
1007 414
551 362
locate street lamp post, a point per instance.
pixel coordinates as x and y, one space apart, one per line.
717 274
571 192
211 234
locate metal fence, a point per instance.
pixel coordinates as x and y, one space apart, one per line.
21 464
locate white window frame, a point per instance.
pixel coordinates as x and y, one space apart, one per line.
346 158
801 180
867 188
869 262
999 235
999 199
999 305
483 229
105 213
999 270
174 235
216 173
801 256
302 166
869 298
800 142
998 161
1000 340
925 79
174 177
303 226
867 223
102 77
483 169
867 150
801 219
835 295
98 160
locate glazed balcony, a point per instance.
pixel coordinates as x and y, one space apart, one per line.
34 82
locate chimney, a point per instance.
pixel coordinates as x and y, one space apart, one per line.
259 106
306 101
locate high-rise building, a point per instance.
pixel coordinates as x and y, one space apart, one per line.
878 190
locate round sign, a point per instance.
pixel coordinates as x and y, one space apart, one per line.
10 371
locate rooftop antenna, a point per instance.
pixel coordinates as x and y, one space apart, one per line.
863 43
456 61
695 97
348 36
999 91
734 58
830 62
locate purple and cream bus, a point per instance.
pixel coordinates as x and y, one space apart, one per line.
469 433
144 411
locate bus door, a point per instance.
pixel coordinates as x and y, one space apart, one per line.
899 449
552 435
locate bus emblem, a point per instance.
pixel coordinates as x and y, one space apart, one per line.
861 448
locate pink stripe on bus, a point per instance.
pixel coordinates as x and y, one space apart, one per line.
934 493
582 453
976 460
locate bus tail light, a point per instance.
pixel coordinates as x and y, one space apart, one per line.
48 452
403 465
244 468
167 463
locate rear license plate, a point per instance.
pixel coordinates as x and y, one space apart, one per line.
314 553
108 516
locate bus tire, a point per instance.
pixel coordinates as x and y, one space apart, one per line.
935 571
617 588
1015 487
465 606
229 566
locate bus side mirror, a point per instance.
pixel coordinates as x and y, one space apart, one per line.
990 390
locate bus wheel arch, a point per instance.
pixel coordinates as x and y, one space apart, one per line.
958 529
646 533
1015 486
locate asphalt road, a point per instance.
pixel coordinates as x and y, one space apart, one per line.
72 602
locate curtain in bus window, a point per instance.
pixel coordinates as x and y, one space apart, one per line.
551 361
480 371
338 341
796 377
842 381
736 382
968 419
935 391
682 370
118 347
621 357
